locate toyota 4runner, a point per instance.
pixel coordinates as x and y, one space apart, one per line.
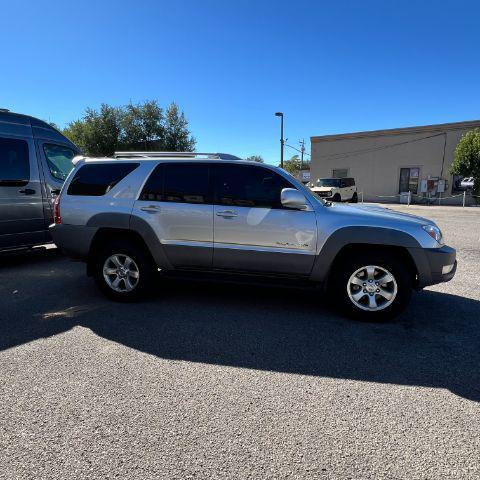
141 215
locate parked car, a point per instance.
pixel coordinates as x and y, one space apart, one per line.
467 183
133 217
336 189
35 159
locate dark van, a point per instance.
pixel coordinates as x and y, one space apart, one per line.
35 159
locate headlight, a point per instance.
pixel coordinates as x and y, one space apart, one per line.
434 232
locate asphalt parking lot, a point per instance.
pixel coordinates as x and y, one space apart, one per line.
215 381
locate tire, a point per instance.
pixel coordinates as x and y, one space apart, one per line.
354 198
132 286
337 198
353 295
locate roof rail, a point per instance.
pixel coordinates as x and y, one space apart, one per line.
193 155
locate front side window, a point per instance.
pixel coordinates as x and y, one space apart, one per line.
179 183
96 179
14 162
245 186
59 160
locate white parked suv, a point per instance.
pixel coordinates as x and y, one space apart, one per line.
336 189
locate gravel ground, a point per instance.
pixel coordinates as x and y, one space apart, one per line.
215 381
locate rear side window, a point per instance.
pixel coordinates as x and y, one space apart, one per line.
179 183
14 162
245 186
97 179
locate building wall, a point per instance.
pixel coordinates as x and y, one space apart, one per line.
374 159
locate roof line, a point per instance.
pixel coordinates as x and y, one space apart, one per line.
396 131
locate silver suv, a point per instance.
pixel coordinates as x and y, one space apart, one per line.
140 216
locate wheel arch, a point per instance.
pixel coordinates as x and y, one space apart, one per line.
348 239
146 242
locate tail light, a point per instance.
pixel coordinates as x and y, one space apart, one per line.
57 219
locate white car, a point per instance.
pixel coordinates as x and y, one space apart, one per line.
336 189
467 183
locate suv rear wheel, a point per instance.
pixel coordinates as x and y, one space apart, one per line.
354 198
371 286
123 271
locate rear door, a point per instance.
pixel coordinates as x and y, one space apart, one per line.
21 207
253 232
176 202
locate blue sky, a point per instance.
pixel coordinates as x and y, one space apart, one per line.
331 67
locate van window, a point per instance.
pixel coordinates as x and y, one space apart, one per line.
59 160
97 179
14 162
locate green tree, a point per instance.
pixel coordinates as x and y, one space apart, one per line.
466 161
98 132
255 158
141 126
177 135
294 165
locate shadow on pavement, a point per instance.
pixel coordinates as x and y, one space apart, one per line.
435 343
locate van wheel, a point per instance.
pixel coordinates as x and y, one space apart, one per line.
371 286
354 198
123 271
337 198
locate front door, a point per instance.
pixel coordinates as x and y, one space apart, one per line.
56 161
253 232
177 203
21 207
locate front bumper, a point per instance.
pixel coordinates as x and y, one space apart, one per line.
443 263
434 265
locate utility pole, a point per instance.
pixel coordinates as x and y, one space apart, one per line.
302 151
282 142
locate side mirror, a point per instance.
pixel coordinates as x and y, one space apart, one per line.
292 198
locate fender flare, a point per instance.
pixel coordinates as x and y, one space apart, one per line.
127 222
355 235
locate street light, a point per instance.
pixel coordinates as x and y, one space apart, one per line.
280 114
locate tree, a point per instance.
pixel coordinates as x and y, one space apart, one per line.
466 161
294 165
98 132
140 126
255 158
177 135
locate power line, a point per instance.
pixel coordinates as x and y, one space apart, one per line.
296 149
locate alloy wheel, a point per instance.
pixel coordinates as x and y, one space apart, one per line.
372 288
121 273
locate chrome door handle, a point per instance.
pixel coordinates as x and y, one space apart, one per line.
227 214
150 209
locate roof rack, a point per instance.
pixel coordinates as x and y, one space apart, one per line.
189 155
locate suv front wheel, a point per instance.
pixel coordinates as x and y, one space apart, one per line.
123 271
372 286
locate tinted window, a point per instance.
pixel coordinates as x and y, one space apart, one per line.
184 183
14 162
245 186
59 160
98 179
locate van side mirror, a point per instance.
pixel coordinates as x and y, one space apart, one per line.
292 198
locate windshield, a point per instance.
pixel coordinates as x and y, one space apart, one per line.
328 182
